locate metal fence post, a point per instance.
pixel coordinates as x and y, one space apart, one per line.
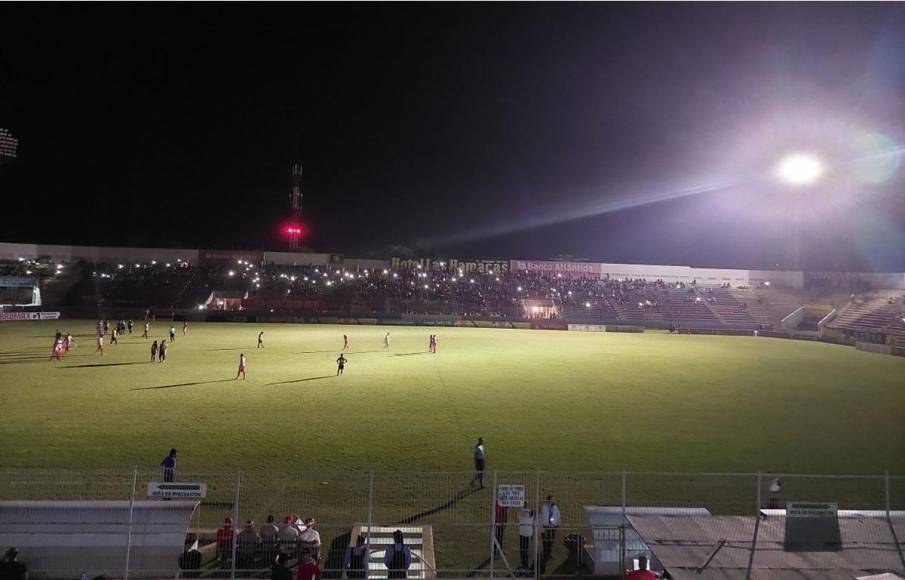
536 520
131 514
234 538
756 527
370 509
622 561
493 501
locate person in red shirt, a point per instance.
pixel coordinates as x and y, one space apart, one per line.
308 569
642 573
501 517
225 538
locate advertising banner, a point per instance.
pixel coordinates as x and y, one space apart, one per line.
451 264
11 316
572 269
230 256
281 304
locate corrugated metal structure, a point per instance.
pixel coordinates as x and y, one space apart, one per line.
685 544
65 539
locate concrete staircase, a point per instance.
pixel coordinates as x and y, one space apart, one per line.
419 538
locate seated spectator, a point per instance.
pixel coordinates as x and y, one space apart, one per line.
11 568
279 570
225 538
309 570
248 544
359 557
190 560
310 539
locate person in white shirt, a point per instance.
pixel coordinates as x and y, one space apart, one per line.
525 534
550 519
310 539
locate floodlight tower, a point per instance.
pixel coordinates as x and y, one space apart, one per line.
799 171
295 210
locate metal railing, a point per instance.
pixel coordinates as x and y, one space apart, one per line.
469 537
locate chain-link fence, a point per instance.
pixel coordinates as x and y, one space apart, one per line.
77 523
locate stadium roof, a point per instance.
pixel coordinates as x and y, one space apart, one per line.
683 544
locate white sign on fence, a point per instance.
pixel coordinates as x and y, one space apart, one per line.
806 509
178 490
511 495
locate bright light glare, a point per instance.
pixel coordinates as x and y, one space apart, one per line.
800 169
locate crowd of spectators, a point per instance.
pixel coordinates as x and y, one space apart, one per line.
165 286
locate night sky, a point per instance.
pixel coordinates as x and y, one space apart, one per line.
641 133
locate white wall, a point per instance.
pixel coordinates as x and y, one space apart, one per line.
789 278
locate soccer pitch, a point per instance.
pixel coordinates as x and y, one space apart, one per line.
550 400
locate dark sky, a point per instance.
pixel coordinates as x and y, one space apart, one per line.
473 130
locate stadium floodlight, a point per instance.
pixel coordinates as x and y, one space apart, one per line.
800 169
587 304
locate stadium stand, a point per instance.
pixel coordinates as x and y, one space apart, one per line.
878 314
117 289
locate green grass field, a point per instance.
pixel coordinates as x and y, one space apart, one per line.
541 399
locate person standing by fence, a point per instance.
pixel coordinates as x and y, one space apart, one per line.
500 517
526 523
550 518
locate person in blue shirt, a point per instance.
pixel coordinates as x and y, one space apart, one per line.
398 557
169 466
479 457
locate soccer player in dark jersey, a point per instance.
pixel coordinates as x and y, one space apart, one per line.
340 364
261 339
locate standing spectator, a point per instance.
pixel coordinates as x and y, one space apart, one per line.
398 557
526 532
289 536
550 518
642 573
169 466
270 539
225 538
501 517
310 539
248 544
11 568
479 458
309 570
775 490
279 571
359 557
